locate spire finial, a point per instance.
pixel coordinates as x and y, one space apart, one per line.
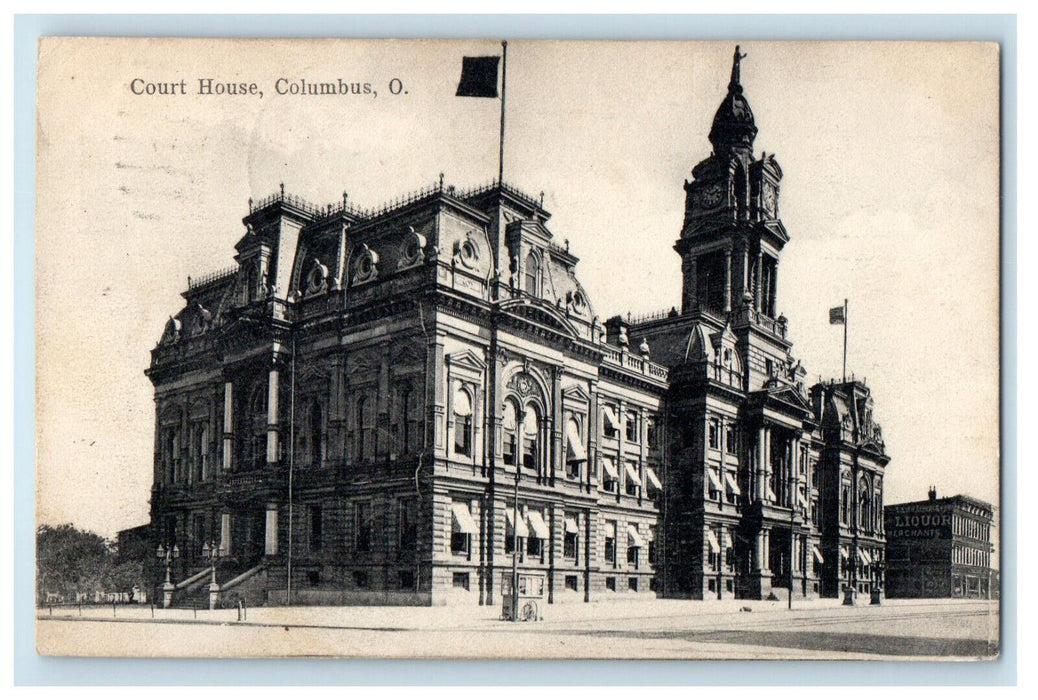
734 85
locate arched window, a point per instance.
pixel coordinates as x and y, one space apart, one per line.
201 452
531 438
509 436
316 435
531 268
363 437
462 422
863 506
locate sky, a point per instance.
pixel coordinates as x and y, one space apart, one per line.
890 197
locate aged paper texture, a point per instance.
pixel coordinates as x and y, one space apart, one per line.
553 349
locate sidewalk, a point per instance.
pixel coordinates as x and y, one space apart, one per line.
399 618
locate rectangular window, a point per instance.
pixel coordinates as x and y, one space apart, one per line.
632 555
571 583
360 579
652 548
407 524
460 543
313 578
461 580
631 425
316 529
632 583
362 527
715 434
463 435
652 434
508 451
611 583
569 545
730 440
534 546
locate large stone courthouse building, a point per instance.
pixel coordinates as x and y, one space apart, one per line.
394 406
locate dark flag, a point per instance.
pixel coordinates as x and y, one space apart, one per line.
478 76
837 316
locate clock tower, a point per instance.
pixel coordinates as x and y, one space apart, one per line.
732 237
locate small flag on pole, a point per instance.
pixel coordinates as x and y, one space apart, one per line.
478 76
837 317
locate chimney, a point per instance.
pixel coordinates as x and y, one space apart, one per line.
933 493
616 332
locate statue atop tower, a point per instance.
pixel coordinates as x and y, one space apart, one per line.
733 129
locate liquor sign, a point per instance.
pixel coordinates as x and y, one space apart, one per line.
920 522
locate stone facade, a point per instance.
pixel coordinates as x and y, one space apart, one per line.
413 400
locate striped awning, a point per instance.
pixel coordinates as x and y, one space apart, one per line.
864 556
653 479
537 525
610 418
733 485
575 451
609 467
845 553
461 519
634 538
714 481
521 531
711 539
632 473
818 553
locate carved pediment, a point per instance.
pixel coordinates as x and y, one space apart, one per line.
466 359
576 393
541 314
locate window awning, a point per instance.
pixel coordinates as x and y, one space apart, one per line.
609 467
714 481
864 556
462 519
653 479
711 539
845 553
801 499
521 531
610 418
632 473
771 494
462 403
575 451
537 525
634 538
818 554
728 543
571 525
729 478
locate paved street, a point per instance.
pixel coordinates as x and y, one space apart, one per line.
898 629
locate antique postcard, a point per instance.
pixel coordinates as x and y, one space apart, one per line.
517 349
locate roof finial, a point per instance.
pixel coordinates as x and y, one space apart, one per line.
441 182
734 85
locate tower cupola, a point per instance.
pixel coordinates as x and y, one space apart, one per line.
733 126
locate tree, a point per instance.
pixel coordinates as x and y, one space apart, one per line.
69 560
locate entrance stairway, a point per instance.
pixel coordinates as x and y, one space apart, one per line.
249 585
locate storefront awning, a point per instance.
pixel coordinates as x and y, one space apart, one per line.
537 526
632 473
711 539
462 519
733 485
634 538
818 554
653 479
521 531
864 556
575 451
609 467
715 483
571 525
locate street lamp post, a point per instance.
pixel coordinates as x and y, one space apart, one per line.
167 555
211 553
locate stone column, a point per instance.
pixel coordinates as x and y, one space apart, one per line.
228 426
272 416
757 300
271 532
773 290
761 468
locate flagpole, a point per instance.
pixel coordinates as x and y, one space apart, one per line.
504 83
845 322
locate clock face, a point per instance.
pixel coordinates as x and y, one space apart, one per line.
712 195
769 199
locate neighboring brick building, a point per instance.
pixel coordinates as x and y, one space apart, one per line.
940 548
401 367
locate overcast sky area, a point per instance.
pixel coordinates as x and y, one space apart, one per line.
890 197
